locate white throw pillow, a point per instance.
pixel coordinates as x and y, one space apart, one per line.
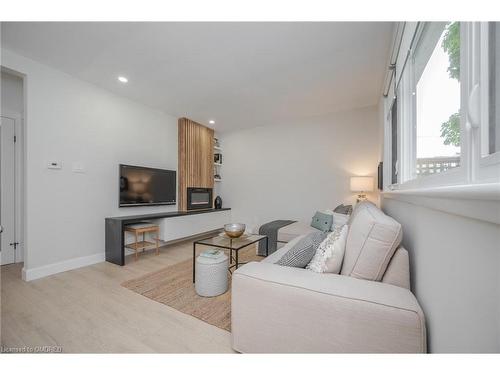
335 254
339 219
330 253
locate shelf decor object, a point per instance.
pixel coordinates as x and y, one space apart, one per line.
234 230
217 160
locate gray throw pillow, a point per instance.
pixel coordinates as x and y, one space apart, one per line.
301 254
341 209
322 221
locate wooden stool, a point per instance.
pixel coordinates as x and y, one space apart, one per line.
143 228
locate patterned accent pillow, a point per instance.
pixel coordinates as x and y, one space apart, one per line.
330 253
301 254
322 221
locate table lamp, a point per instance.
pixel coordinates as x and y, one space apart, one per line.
361 185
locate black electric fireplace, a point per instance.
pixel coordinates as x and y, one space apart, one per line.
199 198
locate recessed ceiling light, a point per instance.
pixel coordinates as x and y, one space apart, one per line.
123 79
211 122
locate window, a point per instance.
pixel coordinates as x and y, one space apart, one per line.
436 77
446 128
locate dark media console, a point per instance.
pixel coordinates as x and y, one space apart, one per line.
115 238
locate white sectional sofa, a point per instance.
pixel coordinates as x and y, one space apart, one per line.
367 308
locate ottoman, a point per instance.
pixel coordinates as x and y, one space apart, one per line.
211 276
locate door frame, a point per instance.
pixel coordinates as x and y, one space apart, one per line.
19 186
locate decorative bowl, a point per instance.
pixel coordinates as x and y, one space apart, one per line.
234 230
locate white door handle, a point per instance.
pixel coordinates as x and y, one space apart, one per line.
473 107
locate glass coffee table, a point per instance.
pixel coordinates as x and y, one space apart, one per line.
234 245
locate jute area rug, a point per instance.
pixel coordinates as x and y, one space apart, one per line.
173 286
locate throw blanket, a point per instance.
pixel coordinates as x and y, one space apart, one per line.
271 231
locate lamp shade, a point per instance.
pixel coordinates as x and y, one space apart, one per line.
361 183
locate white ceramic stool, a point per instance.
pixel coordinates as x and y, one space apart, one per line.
211 276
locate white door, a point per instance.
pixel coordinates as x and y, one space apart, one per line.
8 241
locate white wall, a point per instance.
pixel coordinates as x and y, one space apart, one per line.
70 121
288 171
12 93
455 269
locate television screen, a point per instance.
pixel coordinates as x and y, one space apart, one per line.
141 186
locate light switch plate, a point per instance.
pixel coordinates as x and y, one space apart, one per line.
54 164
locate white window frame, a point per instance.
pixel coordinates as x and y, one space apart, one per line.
473 167
488 168
387 179
387 155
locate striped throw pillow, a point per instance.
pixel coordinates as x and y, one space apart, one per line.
301 254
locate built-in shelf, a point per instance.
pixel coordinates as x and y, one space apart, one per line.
217 150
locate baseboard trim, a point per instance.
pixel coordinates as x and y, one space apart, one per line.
67 265
71 264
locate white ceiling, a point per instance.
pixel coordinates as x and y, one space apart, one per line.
240 74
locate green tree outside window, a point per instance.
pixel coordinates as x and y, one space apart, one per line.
450 130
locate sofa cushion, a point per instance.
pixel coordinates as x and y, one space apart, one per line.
302 252
322 221
398 270
331 284
358 208
292 231
372 240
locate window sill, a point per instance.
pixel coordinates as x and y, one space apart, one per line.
476 201
473 191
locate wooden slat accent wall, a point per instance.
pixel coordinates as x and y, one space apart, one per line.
196 158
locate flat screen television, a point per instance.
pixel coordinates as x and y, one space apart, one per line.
142 186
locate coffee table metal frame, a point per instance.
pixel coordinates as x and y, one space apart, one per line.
233 260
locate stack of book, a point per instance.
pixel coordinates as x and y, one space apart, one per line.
212 253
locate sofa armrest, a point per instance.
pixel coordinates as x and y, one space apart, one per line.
284 309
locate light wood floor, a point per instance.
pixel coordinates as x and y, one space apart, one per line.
87 311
